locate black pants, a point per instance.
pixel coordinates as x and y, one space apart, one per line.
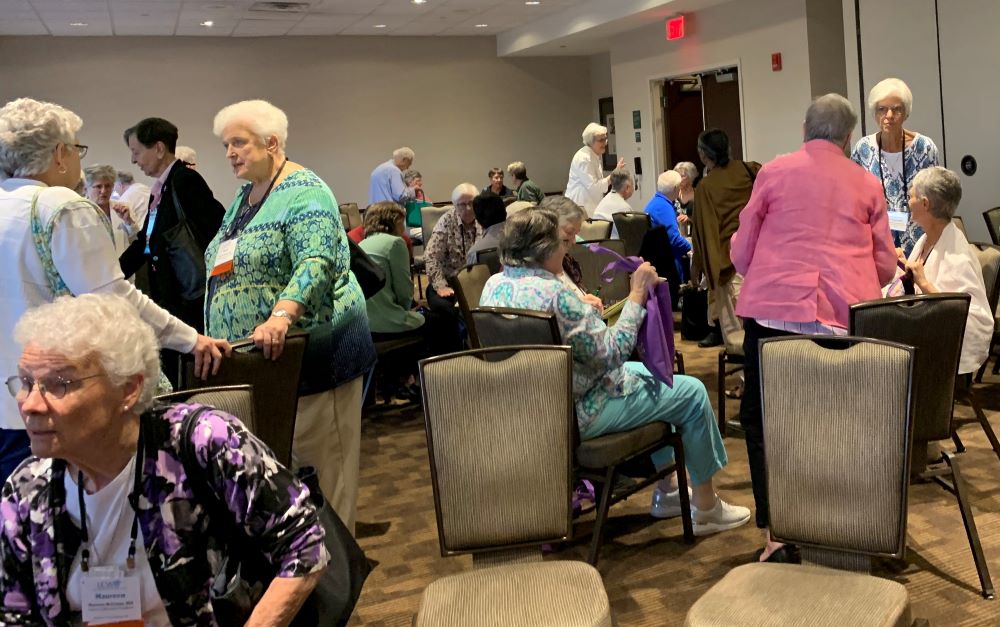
433 333
751 413
446 327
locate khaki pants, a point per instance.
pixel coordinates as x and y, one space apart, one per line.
722 308
328 437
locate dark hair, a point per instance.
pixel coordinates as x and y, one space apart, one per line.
151 130
494 171
489 209
382 218
715 144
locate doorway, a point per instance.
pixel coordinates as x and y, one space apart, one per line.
694 102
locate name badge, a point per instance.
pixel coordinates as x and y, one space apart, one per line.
111 598
224 257
898 220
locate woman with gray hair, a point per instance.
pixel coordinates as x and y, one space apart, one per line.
685 192
571 217
587 184
895 154
56 243
105 459
612 394
100 182
280 261
526 189
942 260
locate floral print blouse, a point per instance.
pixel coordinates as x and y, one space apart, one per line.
39 542
920 154
448 248
599 351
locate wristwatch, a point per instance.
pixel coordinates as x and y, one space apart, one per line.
281 313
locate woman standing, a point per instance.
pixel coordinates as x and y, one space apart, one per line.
587 184
895 155
100 182
281 260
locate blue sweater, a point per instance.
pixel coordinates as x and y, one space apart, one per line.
661 212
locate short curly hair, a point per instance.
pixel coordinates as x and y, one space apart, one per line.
30 130
382 217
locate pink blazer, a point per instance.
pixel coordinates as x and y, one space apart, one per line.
813 240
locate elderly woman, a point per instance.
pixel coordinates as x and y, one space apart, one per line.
895 155
587 184
100 182
281 261
720 198
415 181
942 261
104 460
685 193
496 183
611 394
525 188
571 217
662 211
57 243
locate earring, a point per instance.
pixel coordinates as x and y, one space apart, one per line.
125 407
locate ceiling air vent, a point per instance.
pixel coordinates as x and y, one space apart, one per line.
280 7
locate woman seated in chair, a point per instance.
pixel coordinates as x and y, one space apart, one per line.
942 260
571 217
612 394
105 460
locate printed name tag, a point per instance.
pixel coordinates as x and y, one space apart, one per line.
111 598
898 220
224 257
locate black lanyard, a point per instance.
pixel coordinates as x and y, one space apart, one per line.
881 167
247 211
133 501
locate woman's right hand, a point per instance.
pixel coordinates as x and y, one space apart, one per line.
643 277
208 353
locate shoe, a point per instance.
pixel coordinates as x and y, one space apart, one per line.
720 518
667 504
788 554
710 340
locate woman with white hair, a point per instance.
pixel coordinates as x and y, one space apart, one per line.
587 184
56 243
895 154
105 460
685 192
281 260
100 182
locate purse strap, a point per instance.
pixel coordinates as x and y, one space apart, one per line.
41 236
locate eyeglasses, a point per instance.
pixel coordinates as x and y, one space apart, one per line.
20 387
464 205
883 110
601 138
81 149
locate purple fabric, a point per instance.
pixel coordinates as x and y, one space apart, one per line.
655 343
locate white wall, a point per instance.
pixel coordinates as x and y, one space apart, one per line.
350 101
742 33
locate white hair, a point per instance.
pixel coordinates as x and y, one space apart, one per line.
99 173
187 154
565 209
890 87
403 153
463 189
30 130
593 130
619 179
668 182
97 326
686 168
942 189
260 117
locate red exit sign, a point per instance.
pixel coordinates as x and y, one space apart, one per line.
675 28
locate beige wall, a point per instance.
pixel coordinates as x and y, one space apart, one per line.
600 81
350 101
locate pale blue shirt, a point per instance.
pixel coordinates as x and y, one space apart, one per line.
387 184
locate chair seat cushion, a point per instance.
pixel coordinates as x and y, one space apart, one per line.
556 593
758 595
603 451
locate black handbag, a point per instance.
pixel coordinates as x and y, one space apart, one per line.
368 273
184 254
245 573
694 314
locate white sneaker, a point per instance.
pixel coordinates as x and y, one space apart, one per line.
720 518
666 504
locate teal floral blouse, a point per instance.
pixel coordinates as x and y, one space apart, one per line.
599 351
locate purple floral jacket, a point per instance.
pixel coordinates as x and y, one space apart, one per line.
38 541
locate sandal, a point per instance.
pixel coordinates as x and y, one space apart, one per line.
736 392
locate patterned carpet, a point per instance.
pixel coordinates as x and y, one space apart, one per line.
652 577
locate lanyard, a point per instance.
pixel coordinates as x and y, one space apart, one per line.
133 499
247 211
881 167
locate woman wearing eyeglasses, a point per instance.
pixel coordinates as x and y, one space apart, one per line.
587 184
894 155
54 242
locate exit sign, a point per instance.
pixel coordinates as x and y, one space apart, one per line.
675 28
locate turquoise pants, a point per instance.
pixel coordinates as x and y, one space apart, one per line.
685 406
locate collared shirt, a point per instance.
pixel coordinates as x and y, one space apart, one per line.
587 183
448 250
610 205
387 184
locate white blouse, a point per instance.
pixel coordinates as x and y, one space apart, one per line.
586 185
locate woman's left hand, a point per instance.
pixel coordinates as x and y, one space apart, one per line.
916 268
270 336
594 302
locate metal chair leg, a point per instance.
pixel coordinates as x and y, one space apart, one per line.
601 515
682 487
961 493
983 421
721 389
959 445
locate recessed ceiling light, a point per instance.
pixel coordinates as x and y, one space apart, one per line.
208 23
532 3
419 1
481 25
78 24
380 26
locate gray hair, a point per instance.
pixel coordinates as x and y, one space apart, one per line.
529 238
260 117
565 209
411 175
30 130
187 154
831 117
688 169
94 173
593 130
403 153
668 182
463 189
125 178
942 189
890 87
619 179
99 326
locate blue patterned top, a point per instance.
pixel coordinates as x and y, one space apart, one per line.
599 351
921 153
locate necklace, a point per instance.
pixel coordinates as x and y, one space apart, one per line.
881 167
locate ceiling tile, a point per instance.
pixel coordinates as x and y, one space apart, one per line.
263 28
323 25
142 27
22 27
